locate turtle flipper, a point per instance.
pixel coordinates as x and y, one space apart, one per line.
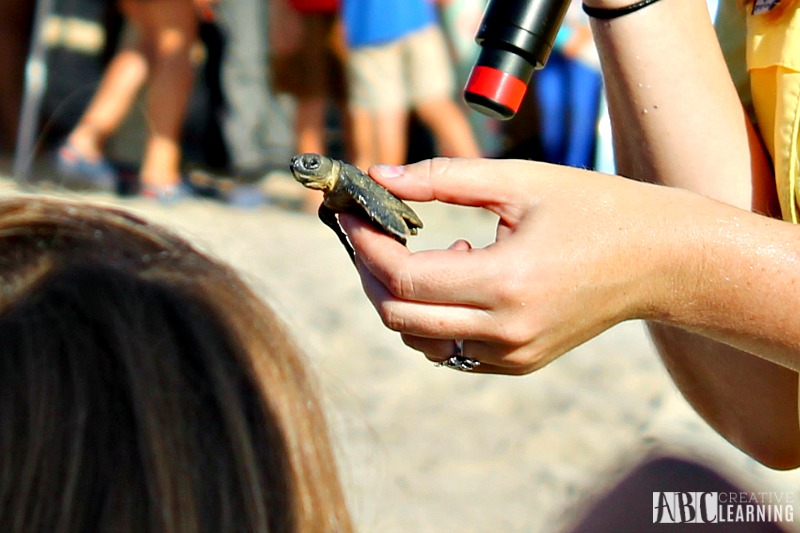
411 218
328 217
382 207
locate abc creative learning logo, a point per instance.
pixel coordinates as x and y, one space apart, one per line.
722 507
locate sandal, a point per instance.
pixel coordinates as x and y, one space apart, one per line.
77 172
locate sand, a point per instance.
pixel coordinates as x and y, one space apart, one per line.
426 449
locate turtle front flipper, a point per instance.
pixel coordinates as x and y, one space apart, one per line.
328 217
411 218
385 210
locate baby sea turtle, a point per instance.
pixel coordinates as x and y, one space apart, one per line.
346 189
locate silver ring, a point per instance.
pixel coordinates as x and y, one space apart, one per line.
458 361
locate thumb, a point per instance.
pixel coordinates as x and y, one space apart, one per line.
462 181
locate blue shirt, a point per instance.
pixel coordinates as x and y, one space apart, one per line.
377 22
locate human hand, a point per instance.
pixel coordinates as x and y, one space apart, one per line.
575 253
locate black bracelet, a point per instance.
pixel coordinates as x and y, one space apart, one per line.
606 14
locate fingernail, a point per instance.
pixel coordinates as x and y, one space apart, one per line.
390 171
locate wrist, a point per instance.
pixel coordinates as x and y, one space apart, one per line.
610 13
608 4
673 260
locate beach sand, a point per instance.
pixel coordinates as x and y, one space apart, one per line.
426 449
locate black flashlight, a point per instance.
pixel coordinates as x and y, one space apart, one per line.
516 37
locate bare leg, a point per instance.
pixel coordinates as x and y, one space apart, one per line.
450 127
391 129
347 131
364 149
168 29
310 135
310 124
378 137
121 82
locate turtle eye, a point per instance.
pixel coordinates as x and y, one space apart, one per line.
312 162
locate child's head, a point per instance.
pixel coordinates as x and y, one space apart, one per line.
144 387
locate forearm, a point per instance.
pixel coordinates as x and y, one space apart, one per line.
676 117
743 271
748 400
678 121
740 299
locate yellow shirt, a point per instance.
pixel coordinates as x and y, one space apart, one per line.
773 61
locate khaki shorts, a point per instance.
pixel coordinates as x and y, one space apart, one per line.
401 74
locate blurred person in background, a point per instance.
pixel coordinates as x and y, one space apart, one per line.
398 62
257 131
166 31
310 67
568 91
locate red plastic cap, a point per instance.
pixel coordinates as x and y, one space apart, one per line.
497 86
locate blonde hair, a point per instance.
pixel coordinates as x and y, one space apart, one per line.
145 387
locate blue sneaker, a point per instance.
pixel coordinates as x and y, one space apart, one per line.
77 172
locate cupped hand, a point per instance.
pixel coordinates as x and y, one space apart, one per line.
575 253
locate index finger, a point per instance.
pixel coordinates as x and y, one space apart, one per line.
453 276
489 183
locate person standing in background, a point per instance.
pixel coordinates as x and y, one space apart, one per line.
398 62
166 30
568 91
256 129
310 67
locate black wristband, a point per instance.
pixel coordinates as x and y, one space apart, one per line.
606 14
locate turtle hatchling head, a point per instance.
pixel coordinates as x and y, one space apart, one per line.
315 171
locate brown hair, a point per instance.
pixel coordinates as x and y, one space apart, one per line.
144 387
